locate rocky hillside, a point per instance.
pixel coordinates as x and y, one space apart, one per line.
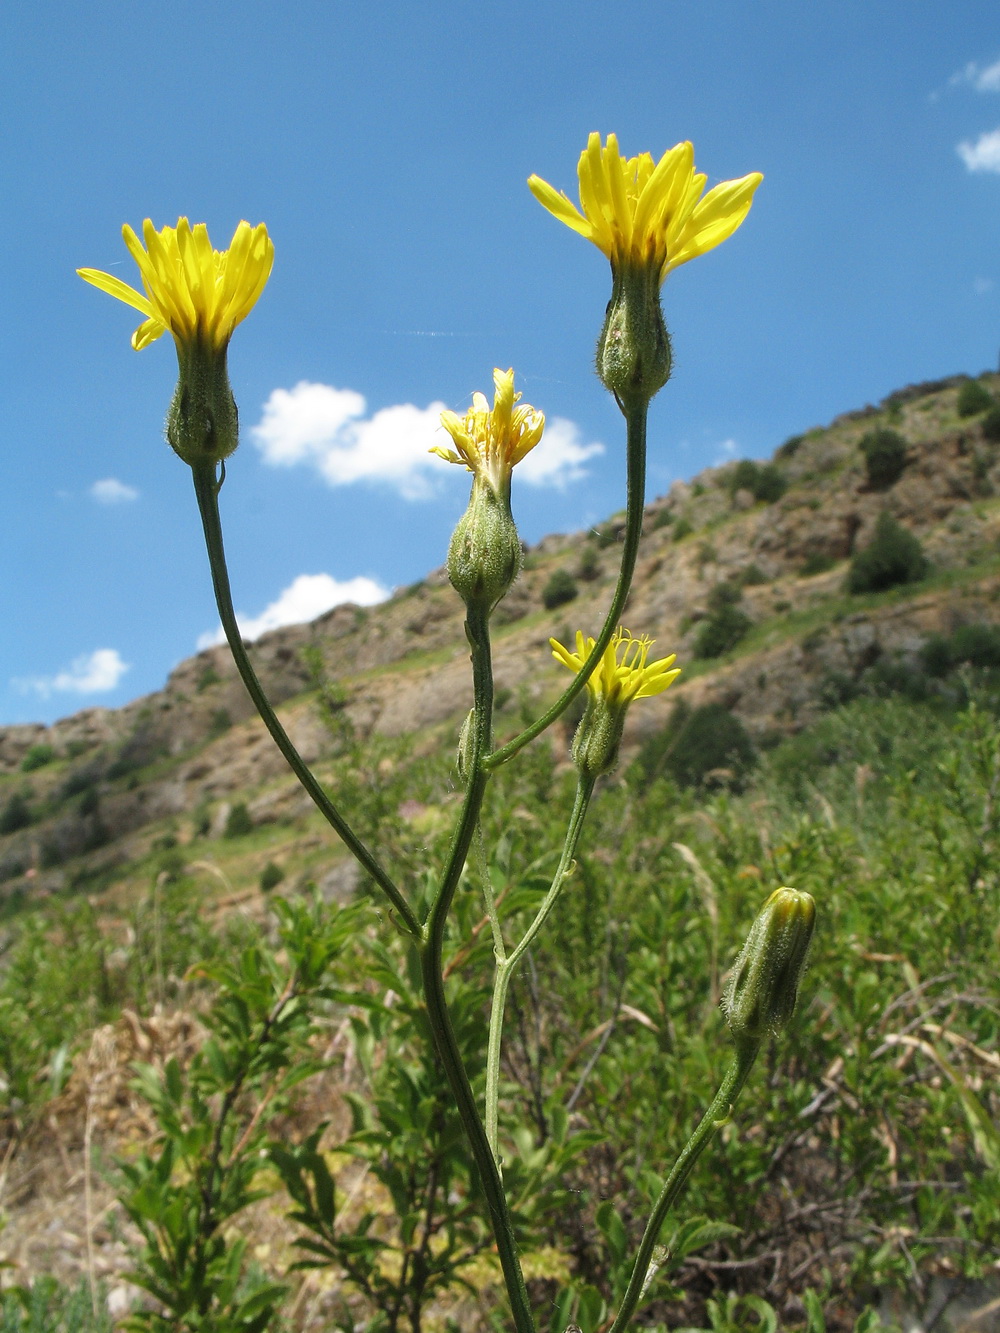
756 554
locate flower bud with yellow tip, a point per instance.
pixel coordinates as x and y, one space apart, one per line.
762 989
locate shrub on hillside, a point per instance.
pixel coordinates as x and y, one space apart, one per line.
971 645
991 424
973 398
726 624
239 822
894 556
706 746
764 481
37 757
885 457
16 814
560 589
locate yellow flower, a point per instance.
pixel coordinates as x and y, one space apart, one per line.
623 673
490 442
197 293
644 214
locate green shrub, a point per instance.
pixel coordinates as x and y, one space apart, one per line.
37 757
975 645
726 623
238 821
764 481
991 424
893 557
704 747
790 447
208 677
663 519
816 562
885 457
49 1307
560 589
220 723
16 814
682 528
753 576
589 567
973 398
270 877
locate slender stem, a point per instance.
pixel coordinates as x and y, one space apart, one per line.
716 1116
506 965
206 488
489 897
635 420
445 1041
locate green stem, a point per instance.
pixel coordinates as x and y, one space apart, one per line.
507 964
635 420
431 959
716 1116
207 488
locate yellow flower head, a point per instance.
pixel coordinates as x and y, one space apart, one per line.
489 442
197 293
623 673
643 213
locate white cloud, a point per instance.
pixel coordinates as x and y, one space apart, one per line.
304 599
326 428
93 673
984 154
726 451
983 80
111 491
559 456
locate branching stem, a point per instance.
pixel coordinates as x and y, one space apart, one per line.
207 487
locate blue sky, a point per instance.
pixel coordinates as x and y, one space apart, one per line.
387 152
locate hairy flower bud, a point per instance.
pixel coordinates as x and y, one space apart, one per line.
484 555
760 995
202 422
633 351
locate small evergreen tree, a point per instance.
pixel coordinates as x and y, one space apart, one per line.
894 556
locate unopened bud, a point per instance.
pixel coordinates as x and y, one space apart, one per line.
760 995
464 756
633 351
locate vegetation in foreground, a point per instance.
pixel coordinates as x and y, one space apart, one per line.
864 1156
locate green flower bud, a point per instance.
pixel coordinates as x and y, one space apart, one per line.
484 556
598 737
465 745
760 995
203 425
633 351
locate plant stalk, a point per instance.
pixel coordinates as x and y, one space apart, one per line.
714 1118
507 964
207 488
635 421
431 959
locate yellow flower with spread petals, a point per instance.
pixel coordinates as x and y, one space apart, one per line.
490 442
646 214
624 672
196 293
